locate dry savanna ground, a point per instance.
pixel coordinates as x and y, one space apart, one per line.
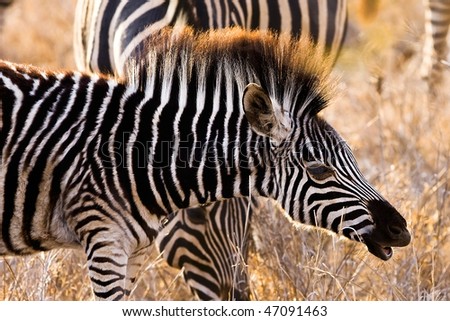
400 136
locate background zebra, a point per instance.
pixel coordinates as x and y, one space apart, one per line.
109 33
435 49
75 174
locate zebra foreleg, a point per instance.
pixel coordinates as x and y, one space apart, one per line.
113 273
108 253
107 265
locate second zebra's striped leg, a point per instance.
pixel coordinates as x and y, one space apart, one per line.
435 48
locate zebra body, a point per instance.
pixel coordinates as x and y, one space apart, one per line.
89 161
108 33
435 48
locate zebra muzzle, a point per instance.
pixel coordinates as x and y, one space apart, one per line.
390 230
380 251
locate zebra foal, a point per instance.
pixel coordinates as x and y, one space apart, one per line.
110 33
92 163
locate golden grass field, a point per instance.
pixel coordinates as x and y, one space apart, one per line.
400 136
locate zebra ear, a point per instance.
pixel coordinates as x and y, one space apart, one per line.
261 115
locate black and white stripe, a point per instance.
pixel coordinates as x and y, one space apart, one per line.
210 243
90 162
110 33
435 48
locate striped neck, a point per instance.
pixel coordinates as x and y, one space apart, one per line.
200 153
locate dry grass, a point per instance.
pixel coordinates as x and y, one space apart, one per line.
399 135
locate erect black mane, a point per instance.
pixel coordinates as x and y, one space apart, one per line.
291 70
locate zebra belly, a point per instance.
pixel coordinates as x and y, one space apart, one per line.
20 242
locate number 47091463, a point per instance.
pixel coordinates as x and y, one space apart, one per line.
291 310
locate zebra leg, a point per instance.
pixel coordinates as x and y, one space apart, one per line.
437 19
108 248
112 270
107 265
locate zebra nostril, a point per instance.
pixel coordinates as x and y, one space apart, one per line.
395 230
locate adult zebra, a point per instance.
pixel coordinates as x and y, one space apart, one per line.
86 160
109 33
435 49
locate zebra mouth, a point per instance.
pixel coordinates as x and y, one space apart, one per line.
380 251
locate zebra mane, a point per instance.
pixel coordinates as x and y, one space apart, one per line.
291 70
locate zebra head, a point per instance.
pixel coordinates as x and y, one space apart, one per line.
319 182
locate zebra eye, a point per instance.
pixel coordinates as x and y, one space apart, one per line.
319 171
